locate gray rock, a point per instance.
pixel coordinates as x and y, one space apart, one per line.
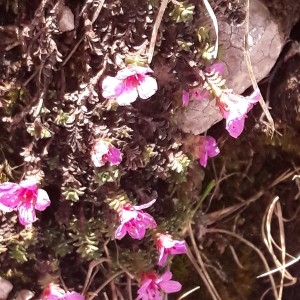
266 43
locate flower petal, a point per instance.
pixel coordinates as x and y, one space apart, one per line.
217 67
127 96
128 214
42 201
212 148
73 296
179 248
147 220
185 98
137 232
235 127
143 206
29 183
26 213
144 286
5 208
120 232
147 87
166 276
125 73
170 286
114 155
162 257
254 97
203 159
9 194
112 87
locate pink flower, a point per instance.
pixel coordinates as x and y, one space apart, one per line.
103 152
196 94
129 83
134 221
201 93
185 98
234 109
217 67
153 286
207 148
54 292
25 197
166 245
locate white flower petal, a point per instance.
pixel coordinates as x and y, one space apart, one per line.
42 201
112 87
127 97
147 87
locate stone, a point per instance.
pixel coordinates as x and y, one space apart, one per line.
24 295
5 288
66 19
199 116
265 44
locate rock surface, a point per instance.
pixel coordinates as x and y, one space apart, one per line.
265 44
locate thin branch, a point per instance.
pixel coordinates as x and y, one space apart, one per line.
156 25
95 16
215 23
282 267
98 10
102 286
251 73
90 274
260 254
189 292
205 276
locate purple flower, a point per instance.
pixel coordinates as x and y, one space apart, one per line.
217 67
134 221
207 148
185 98
196 94
24 197
234 109
103 152
166 245
201 93
129 83
54 292
154 285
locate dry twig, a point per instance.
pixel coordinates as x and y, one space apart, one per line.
156 25
251 73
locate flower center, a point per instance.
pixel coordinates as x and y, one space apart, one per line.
133 81
27 195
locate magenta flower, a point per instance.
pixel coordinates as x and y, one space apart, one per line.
54 292
207 148
185 98
217 67
234 109
153 286
24 197
134 221
201 93
166 245
103 152
129 83
196 94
